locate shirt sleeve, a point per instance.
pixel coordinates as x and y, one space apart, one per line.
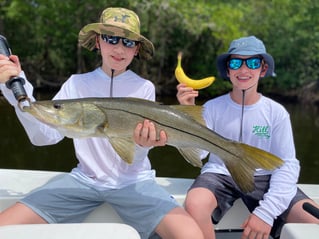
38 132
283 182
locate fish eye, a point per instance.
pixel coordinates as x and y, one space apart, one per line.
57 106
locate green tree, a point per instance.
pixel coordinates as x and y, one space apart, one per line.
44 34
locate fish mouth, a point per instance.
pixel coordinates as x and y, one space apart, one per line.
38 111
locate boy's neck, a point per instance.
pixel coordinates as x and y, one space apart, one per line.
108 71
251 96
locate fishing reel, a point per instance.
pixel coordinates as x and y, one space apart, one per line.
14 83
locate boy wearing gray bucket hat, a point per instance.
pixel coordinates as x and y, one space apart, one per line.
101 174
246 46
246 115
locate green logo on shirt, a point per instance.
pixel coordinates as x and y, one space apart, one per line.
261 131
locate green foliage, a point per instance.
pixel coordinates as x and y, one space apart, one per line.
290 31
44 35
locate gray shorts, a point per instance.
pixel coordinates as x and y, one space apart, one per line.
66 199
227 192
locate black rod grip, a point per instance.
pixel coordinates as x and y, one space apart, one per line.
14 83
311 209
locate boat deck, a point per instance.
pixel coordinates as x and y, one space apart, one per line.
14 184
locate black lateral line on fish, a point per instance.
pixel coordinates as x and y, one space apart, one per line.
168 126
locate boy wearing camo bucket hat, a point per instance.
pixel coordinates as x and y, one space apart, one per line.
246 115
117 22
101 175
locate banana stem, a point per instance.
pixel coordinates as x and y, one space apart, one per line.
179 59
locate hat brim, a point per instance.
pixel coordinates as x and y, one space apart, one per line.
223 58
88 33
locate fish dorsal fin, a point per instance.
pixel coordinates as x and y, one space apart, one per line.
141 100
124 147
192 156
194 111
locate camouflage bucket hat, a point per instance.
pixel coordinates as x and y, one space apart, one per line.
119 22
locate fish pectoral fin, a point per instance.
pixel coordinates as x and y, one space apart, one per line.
192 156
124 147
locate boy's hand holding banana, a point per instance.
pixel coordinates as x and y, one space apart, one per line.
183 78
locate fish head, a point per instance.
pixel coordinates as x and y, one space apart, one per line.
71 117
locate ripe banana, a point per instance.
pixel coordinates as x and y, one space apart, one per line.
183 78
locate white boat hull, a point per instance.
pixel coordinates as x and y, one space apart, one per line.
67 231
14 184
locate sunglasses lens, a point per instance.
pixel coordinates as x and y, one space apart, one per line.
253 63
235 64
110 39
128 43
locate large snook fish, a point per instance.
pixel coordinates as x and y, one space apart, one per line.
116 119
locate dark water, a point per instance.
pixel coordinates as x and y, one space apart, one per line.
18 153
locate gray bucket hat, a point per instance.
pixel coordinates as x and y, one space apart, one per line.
246 46
119 22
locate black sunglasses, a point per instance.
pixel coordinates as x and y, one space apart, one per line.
252 63
115 40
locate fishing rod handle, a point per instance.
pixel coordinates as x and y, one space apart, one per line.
14 83
311 209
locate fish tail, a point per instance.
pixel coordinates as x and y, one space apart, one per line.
261 158
245 160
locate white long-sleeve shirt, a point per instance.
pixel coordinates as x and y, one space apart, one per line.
99 164
266 125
